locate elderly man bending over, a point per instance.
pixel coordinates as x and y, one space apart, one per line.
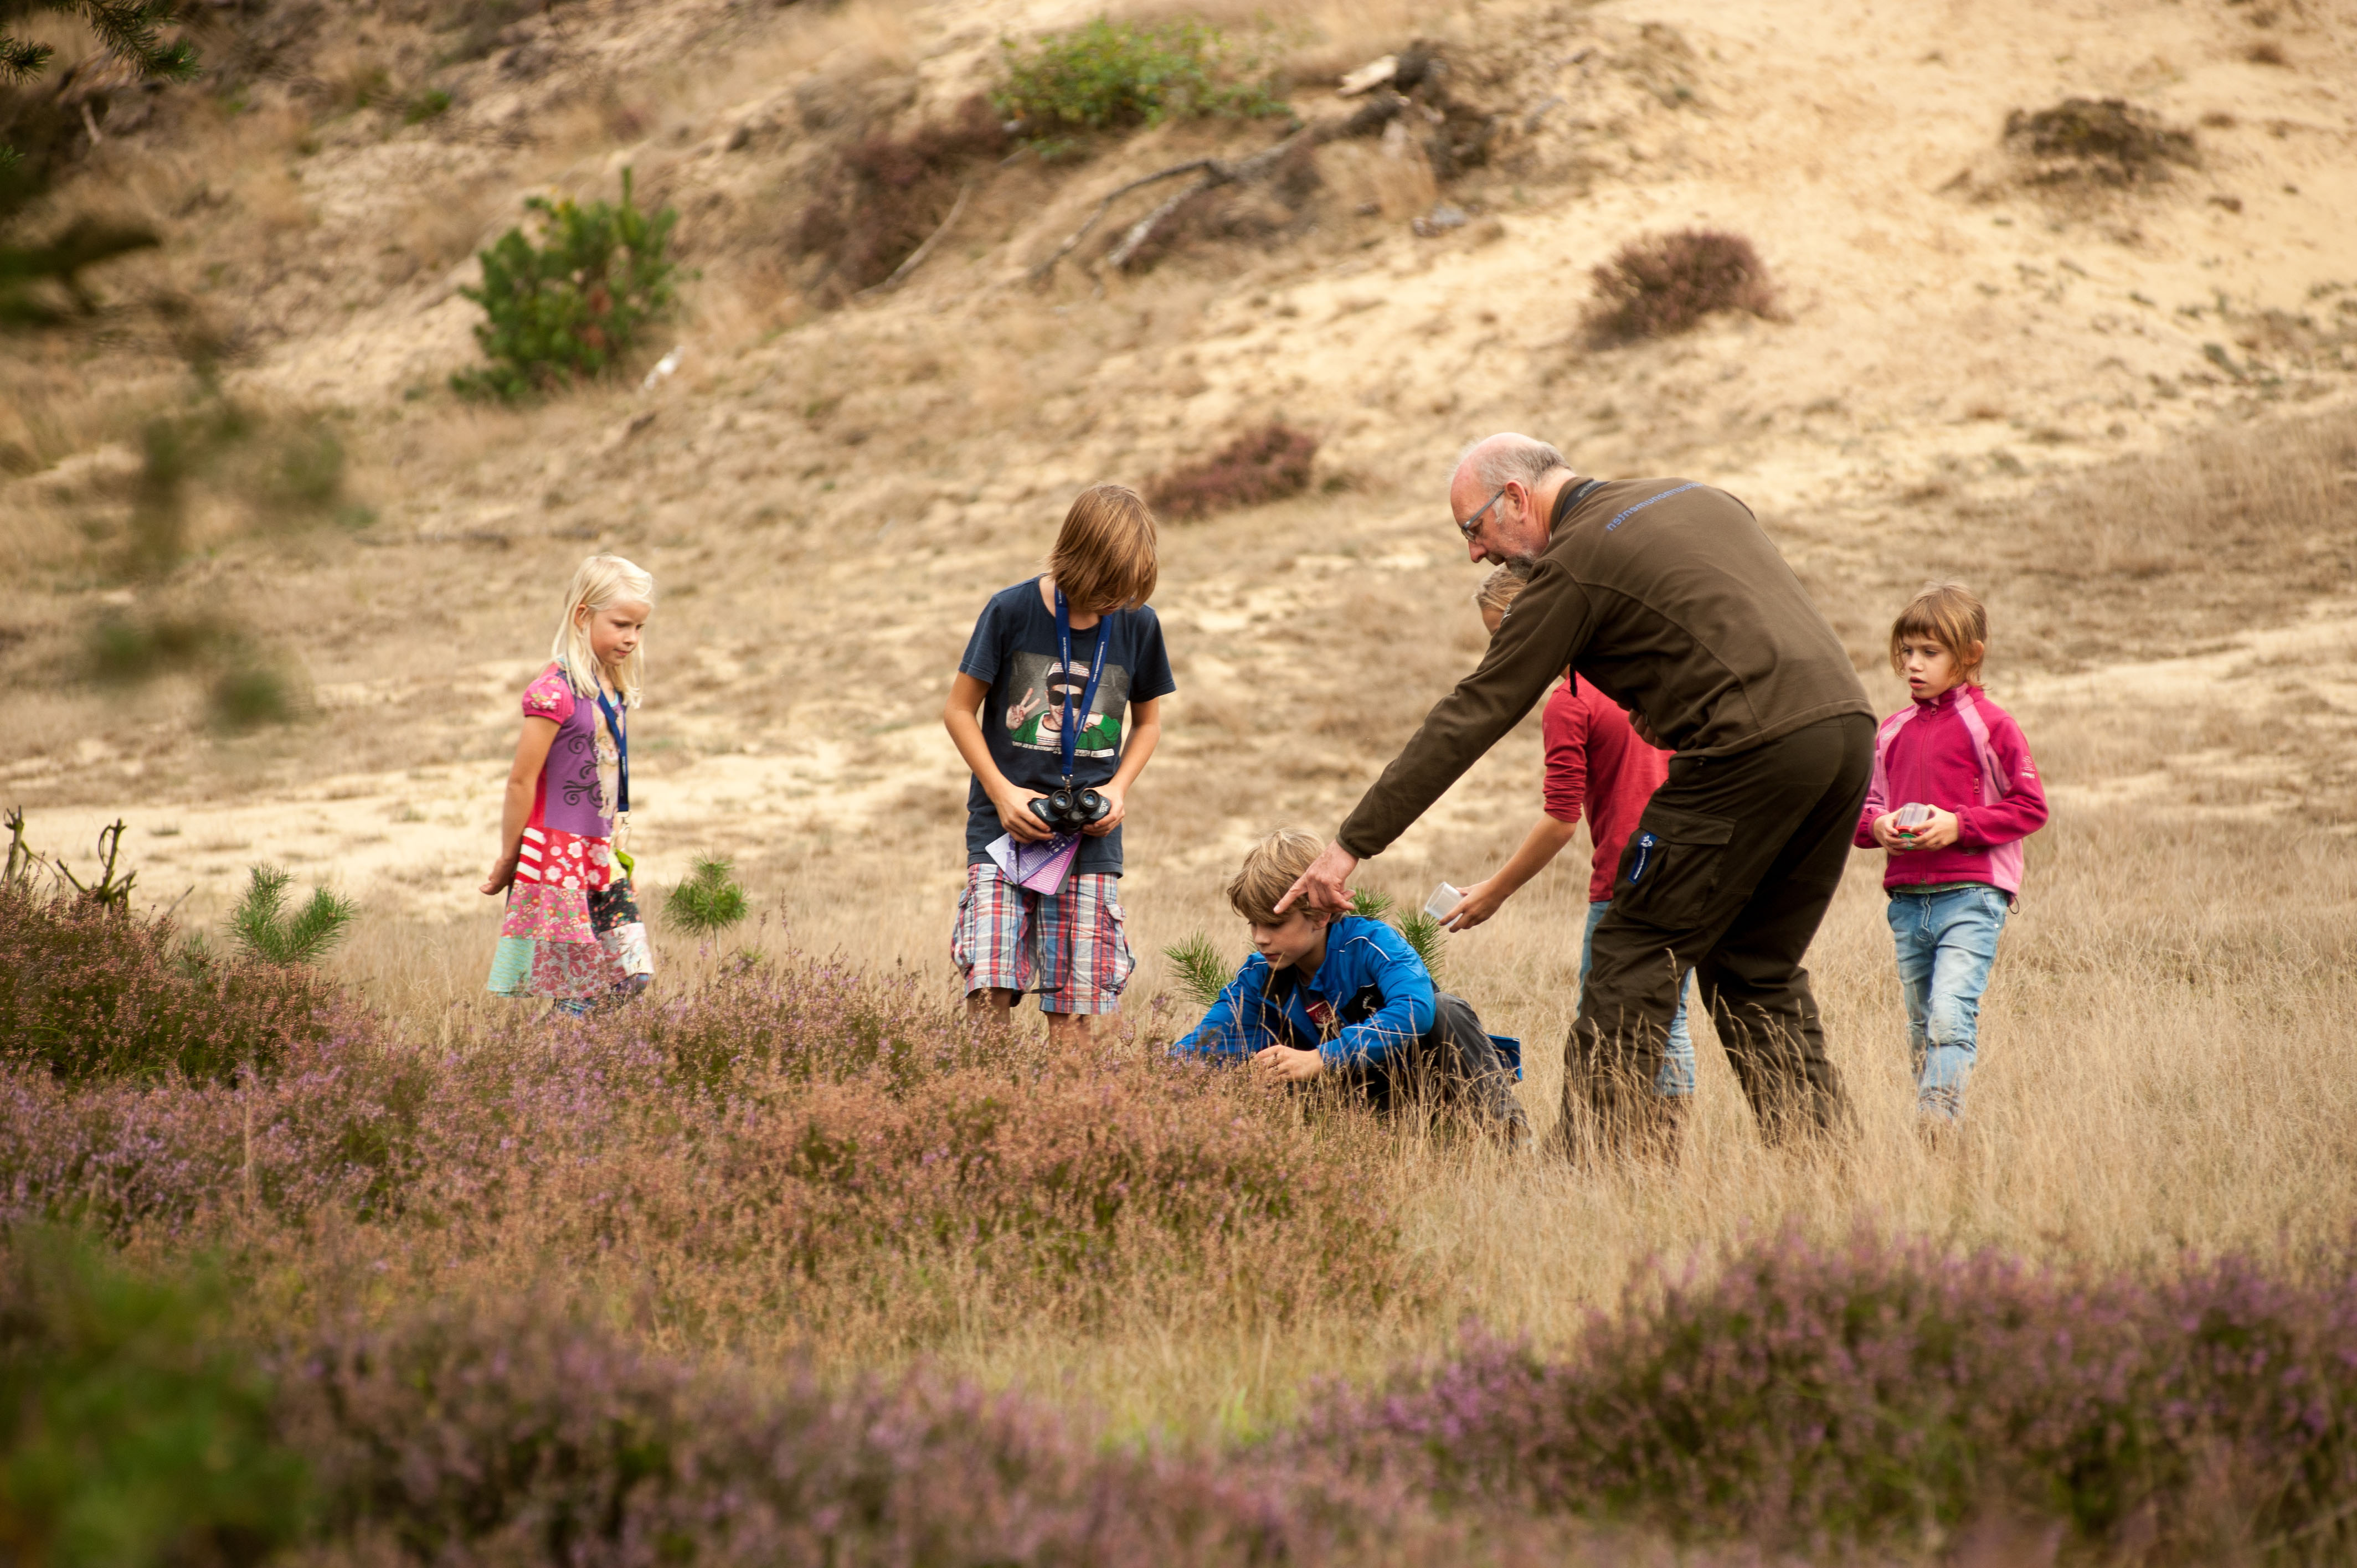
1666 595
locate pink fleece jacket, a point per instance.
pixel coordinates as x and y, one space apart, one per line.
1962 753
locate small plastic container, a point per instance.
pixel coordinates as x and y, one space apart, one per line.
1912 815
1444 898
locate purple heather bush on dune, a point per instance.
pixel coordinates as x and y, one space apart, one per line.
1805 1394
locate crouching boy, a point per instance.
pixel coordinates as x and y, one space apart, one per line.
1339 997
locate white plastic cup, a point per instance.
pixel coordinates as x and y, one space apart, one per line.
1912 815
1444 898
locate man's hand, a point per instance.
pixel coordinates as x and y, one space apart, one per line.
502 875
1477 905
1644 731
1938 833
1118 804
1285 1065
1323 885
1015 816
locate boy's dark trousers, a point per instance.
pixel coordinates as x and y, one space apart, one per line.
1453 1067
1729 871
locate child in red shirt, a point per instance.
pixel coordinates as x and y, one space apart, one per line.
1594 763
1961 761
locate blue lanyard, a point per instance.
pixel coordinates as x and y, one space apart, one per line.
1072 736
621 748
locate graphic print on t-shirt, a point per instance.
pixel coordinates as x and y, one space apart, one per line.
1035 720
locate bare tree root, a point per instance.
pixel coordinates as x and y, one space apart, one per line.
1039 274
916 258
1212 173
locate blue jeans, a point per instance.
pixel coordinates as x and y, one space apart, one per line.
1947 940
1677 1074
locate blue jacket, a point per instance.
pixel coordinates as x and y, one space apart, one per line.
1370 997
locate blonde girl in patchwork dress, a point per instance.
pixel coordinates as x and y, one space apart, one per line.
573 933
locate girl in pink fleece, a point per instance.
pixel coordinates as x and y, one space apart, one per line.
1955 793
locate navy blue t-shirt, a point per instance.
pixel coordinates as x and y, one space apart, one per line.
1013 650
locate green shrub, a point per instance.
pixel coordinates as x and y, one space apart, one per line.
263 928
425 106
1109 75
128 1435
708 902
571 305
246 696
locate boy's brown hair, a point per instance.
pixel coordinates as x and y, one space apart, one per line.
1272 866
1949 615
1104 558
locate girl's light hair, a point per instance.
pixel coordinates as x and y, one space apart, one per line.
1104 558
600 581
1270 868
1504 584
1950 616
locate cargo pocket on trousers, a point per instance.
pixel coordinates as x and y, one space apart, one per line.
1671 866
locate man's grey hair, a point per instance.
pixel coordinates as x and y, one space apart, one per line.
1509 458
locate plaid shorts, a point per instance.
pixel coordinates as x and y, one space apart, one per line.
1071 947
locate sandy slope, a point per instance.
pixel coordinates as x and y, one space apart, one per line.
827 496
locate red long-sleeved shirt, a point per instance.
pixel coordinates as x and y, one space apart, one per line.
1595 761
1962 753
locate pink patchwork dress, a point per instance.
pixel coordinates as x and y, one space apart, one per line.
573 930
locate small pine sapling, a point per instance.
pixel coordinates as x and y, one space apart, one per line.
1428 936
1200 969
262 927
708 902
1423 933
571 305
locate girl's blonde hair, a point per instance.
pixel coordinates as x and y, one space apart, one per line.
1950 616
600 581
1504 584
1104 558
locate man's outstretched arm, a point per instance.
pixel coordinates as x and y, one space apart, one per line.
1548 628
1545 630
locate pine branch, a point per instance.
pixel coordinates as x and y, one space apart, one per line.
1202 972
19 60
319 926
1428 938
129 30
253 924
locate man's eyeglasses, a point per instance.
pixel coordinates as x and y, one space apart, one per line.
1472 525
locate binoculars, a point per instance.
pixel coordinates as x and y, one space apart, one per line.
1068 810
